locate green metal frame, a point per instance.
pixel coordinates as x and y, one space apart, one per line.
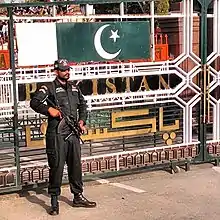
15 119
203 154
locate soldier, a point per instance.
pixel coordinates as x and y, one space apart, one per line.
62 147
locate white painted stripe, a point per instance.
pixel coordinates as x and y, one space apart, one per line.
102 181
130 188
120 185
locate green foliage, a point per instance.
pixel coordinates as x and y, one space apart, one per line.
107 8
3 11
130 8
138 8
162 7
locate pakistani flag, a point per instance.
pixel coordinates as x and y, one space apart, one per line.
42 43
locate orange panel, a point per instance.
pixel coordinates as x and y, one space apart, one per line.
4 59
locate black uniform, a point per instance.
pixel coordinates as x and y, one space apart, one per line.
71 101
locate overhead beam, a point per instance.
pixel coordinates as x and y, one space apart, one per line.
33 4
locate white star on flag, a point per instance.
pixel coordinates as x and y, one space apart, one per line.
114 35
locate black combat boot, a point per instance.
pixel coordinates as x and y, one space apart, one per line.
80 201
54 206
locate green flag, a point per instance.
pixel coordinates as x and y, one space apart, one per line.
42 43
103 41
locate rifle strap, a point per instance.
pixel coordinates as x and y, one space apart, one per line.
56 102
55 95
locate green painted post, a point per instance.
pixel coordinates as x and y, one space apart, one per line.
203 154
15 118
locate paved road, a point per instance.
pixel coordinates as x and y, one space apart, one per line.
156 195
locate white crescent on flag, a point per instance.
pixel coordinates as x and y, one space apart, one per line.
98 45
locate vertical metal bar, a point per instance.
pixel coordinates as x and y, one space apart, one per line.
208 95
216 122
184 27
87 9
14 84
203 154
204 92
215 26
187 26
117 163
152 30
122 10
190 137
191 27
187 123
203 55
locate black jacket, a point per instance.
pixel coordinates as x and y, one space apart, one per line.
69 98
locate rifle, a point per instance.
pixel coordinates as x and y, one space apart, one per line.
76 130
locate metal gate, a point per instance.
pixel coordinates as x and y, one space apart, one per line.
161 113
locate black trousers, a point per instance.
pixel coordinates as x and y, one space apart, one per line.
59 152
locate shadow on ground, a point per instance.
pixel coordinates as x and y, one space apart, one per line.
33 198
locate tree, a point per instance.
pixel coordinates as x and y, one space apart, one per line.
161 7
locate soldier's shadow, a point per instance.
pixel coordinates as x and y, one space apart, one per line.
36 200
61 198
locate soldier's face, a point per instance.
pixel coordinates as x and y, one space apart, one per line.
63 74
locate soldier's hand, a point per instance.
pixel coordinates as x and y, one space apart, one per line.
82 127
54 112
